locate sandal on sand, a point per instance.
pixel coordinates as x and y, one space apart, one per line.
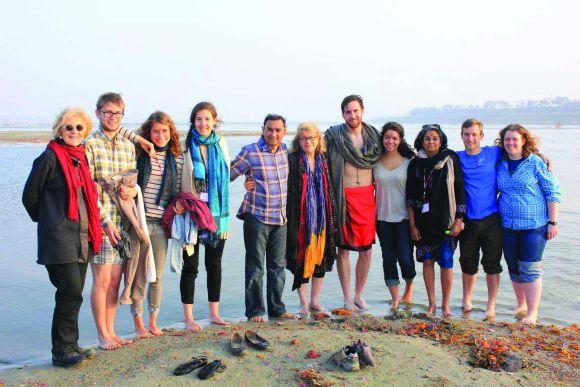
346 358
256 340
365 357
237 344
194 363
210 369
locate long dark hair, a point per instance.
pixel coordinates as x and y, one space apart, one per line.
196 109
404 148
426 128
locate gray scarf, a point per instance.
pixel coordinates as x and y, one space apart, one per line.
340 149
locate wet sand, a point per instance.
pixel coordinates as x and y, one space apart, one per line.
413 350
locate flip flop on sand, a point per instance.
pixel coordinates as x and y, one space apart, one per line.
210 369
194 363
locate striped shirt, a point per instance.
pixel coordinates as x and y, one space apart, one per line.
523 194
267 201
153 185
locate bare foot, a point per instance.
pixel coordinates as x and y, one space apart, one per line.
192 326
258 319
408 294
467 308
122 341
529 320
432 309
217 320
315 306
395 304
446 311
303 309
360 302
521 310
490 312
143 333
350 305
155 330
108 344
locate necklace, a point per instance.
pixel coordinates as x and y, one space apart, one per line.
357 182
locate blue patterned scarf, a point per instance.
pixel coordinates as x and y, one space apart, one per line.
218 176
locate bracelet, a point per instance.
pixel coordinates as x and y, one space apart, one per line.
552 223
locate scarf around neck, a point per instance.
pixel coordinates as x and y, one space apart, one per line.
340 149
438 162
79 177
168 187
217 176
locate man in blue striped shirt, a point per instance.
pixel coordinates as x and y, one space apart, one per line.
264 214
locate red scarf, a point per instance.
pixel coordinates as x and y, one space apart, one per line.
75 178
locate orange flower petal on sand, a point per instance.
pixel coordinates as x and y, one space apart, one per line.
313 354
320 316
341 312
295 342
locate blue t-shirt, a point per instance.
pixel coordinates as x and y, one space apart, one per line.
479 173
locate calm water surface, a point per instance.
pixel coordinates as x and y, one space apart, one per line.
28 297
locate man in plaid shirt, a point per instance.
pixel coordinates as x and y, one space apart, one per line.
264 214
108 154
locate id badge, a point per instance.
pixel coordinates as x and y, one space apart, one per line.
204 196
425 208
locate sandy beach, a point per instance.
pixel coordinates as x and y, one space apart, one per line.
408 349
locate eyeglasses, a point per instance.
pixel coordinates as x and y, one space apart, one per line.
109 114
305 139
70 127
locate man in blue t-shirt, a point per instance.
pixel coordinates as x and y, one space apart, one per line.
483 223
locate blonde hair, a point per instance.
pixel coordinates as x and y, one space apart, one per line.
72 112
312 128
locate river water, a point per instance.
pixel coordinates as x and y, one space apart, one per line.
28 297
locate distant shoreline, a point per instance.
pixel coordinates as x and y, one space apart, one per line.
34 137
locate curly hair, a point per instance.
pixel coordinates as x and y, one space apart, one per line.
162 118
531 142
308 127
72 112
404 148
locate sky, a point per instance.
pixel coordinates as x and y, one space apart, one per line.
297 58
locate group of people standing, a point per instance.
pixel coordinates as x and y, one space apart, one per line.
305 207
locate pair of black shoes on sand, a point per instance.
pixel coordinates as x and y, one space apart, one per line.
352 357
238 345
71 359
207 369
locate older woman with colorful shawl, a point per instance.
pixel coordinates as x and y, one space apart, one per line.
61 196
311 210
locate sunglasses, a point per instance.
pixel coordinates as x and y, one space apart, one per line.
70 127
431 126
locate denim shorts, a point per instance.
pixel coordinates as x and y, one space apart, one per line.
523 250
441 253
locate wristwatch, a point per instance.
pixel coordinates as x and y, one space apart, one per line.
552 223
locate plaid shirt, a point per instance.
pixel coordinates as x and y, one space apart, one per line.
267 202
523 195
107 157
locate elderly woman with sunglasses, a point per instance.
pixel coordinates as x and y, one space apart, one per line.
61 197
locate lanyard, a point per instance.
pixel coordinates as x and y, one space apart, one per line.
426 183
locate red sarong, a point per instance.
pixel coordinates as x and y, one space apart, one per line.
360 222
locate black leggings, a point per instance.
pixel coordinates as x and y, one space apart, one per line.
213 266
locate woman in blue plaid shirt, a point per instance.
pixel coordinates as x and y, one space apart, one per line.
528 203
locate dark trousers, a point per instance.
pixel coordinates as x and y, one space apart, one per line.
213 266
396 246
260 239
69 281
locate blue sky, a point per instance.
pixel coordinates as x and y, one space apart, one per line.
297 58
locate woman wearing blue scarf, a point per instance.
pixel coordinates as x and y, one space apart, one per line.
206 173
